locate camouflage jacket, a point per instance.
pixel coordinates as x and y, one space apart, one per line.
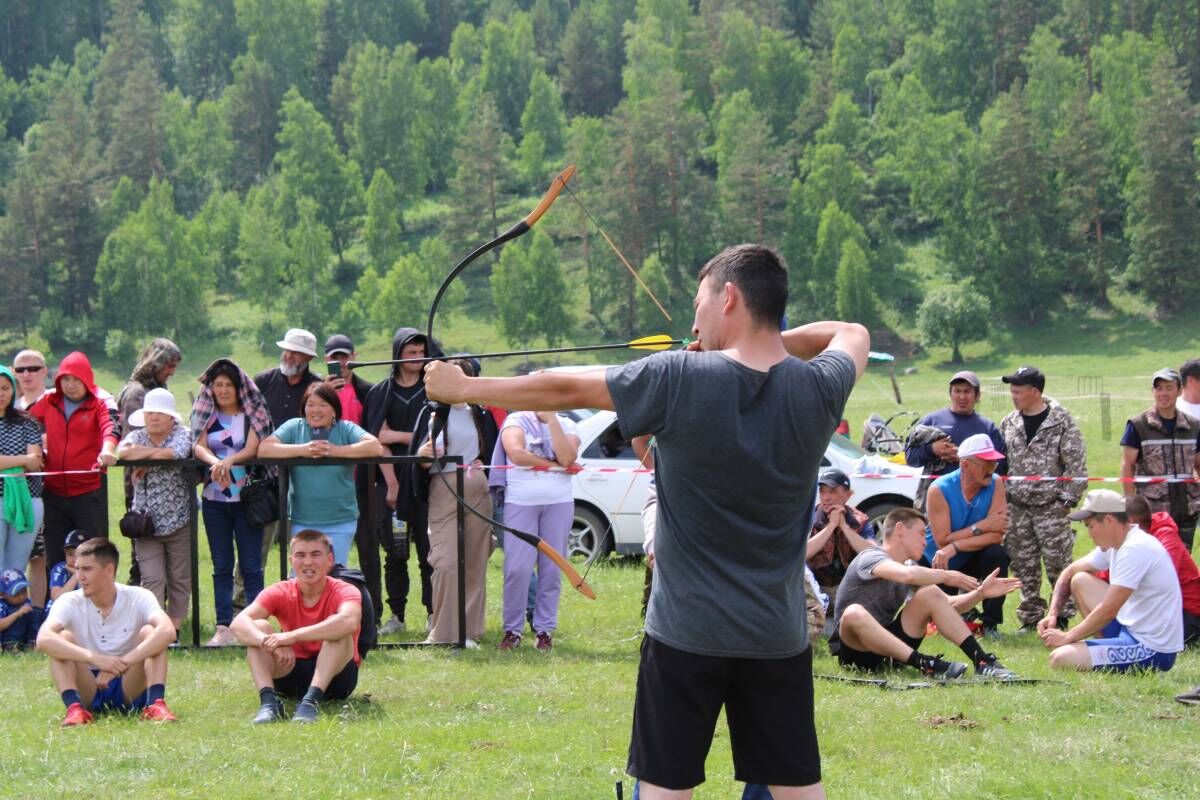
1170 455
1057 449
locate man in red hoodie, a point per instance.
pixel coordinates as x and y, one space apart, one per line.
1161 526
79 436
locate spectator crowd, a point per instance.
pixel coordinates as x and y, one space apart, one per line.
877 586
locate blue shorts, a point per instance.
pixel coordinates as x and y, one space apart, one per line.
1118 650
112 698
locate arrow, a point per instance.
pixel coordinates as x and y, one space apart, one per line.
659 341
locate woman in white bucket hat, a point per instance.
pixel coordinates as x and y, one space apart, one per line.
164 493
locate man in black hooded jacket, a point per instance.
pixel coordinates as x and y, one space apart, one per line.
392 409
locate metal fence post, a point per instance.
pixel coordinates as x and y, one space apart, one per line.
194 535
462 555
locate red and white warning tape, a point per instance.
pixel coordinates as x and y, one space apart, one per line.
885 475
1139 479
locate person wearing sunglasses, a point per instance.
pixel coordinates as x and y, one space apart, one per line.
30 368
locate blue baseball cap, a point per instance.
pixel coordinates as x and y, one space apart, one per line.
13 581
75 538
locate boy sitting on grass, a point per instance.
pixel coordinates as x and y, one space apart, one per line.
881 621
17 624
315 655
107 643
62 575
1136 617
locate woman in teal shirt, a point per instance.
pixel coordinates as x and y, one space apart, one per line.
322 498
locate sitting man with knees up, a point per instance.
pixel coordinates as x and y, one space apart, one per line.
314 656
108 642
1137 616
885 603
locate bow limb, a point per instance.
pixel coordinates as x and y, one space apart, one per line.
519 229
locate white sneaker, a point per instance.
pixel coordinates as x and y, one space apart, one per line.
393 625
223 637
471 644
428 622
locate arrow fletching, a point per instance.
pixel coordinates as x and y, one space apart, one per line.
659 341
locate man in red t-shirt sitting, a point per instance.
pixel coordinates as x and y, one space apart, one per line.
315 655
1162 527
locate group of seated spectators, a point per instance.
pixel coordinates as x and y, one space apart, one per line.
1137 594
74 429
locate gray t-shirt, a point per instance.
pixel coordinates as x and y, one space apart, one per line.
738 451
881 598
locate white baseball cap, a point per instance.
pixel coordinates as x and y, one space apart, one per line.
1099 501
299 340
160 401
979 446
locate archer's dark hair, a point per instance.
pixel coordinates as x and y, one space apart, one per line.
760 275
897 515
1190 369
324 391
102 550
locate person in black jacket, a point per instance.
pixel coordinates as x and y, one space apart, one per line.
470 432
391 410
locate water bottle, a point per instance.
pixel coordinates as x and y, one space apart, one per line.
400 538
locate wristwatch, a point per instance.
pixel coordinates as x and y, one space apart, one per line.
976 530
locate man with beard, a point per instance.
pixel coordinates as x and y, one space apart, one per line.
392 409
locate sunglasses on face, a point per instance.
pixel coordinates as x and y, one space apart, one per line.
22 370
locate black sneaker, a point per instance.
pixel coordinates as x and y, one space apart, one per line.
1191 698
305 712
268 713
944 670
990 667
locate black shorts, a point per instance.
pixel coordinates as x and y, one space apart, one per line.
296 682
768 706
849 657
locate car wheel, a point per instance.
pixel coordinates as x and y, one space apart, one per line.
589 538
880 510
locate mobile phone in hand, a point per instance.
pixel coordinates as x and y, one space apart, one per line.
321 434
333 369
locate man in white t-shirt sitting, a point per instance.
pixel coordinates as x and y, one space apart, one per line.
1138 614
107 643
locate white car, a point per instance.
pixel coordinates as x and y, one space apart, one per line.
608 505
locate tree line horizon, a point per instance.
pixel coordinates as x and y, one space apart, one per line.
920 164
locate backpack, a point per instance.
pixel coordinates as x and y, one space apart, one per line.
367 635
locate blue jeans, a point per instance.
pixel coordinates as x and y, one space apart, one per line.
226 524
16 546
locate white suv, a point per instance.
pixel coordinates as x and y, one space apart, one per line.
608 505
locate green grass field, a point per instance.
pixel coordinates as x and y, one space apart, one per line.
480 724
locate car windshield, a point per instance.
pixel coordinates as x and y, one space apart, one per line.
846 447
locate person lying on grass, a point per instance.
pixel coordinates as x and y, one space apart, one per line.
315 656
1137 614
881 621
107 642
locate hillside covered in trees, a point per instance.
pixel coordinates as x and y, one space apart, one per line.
332 158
